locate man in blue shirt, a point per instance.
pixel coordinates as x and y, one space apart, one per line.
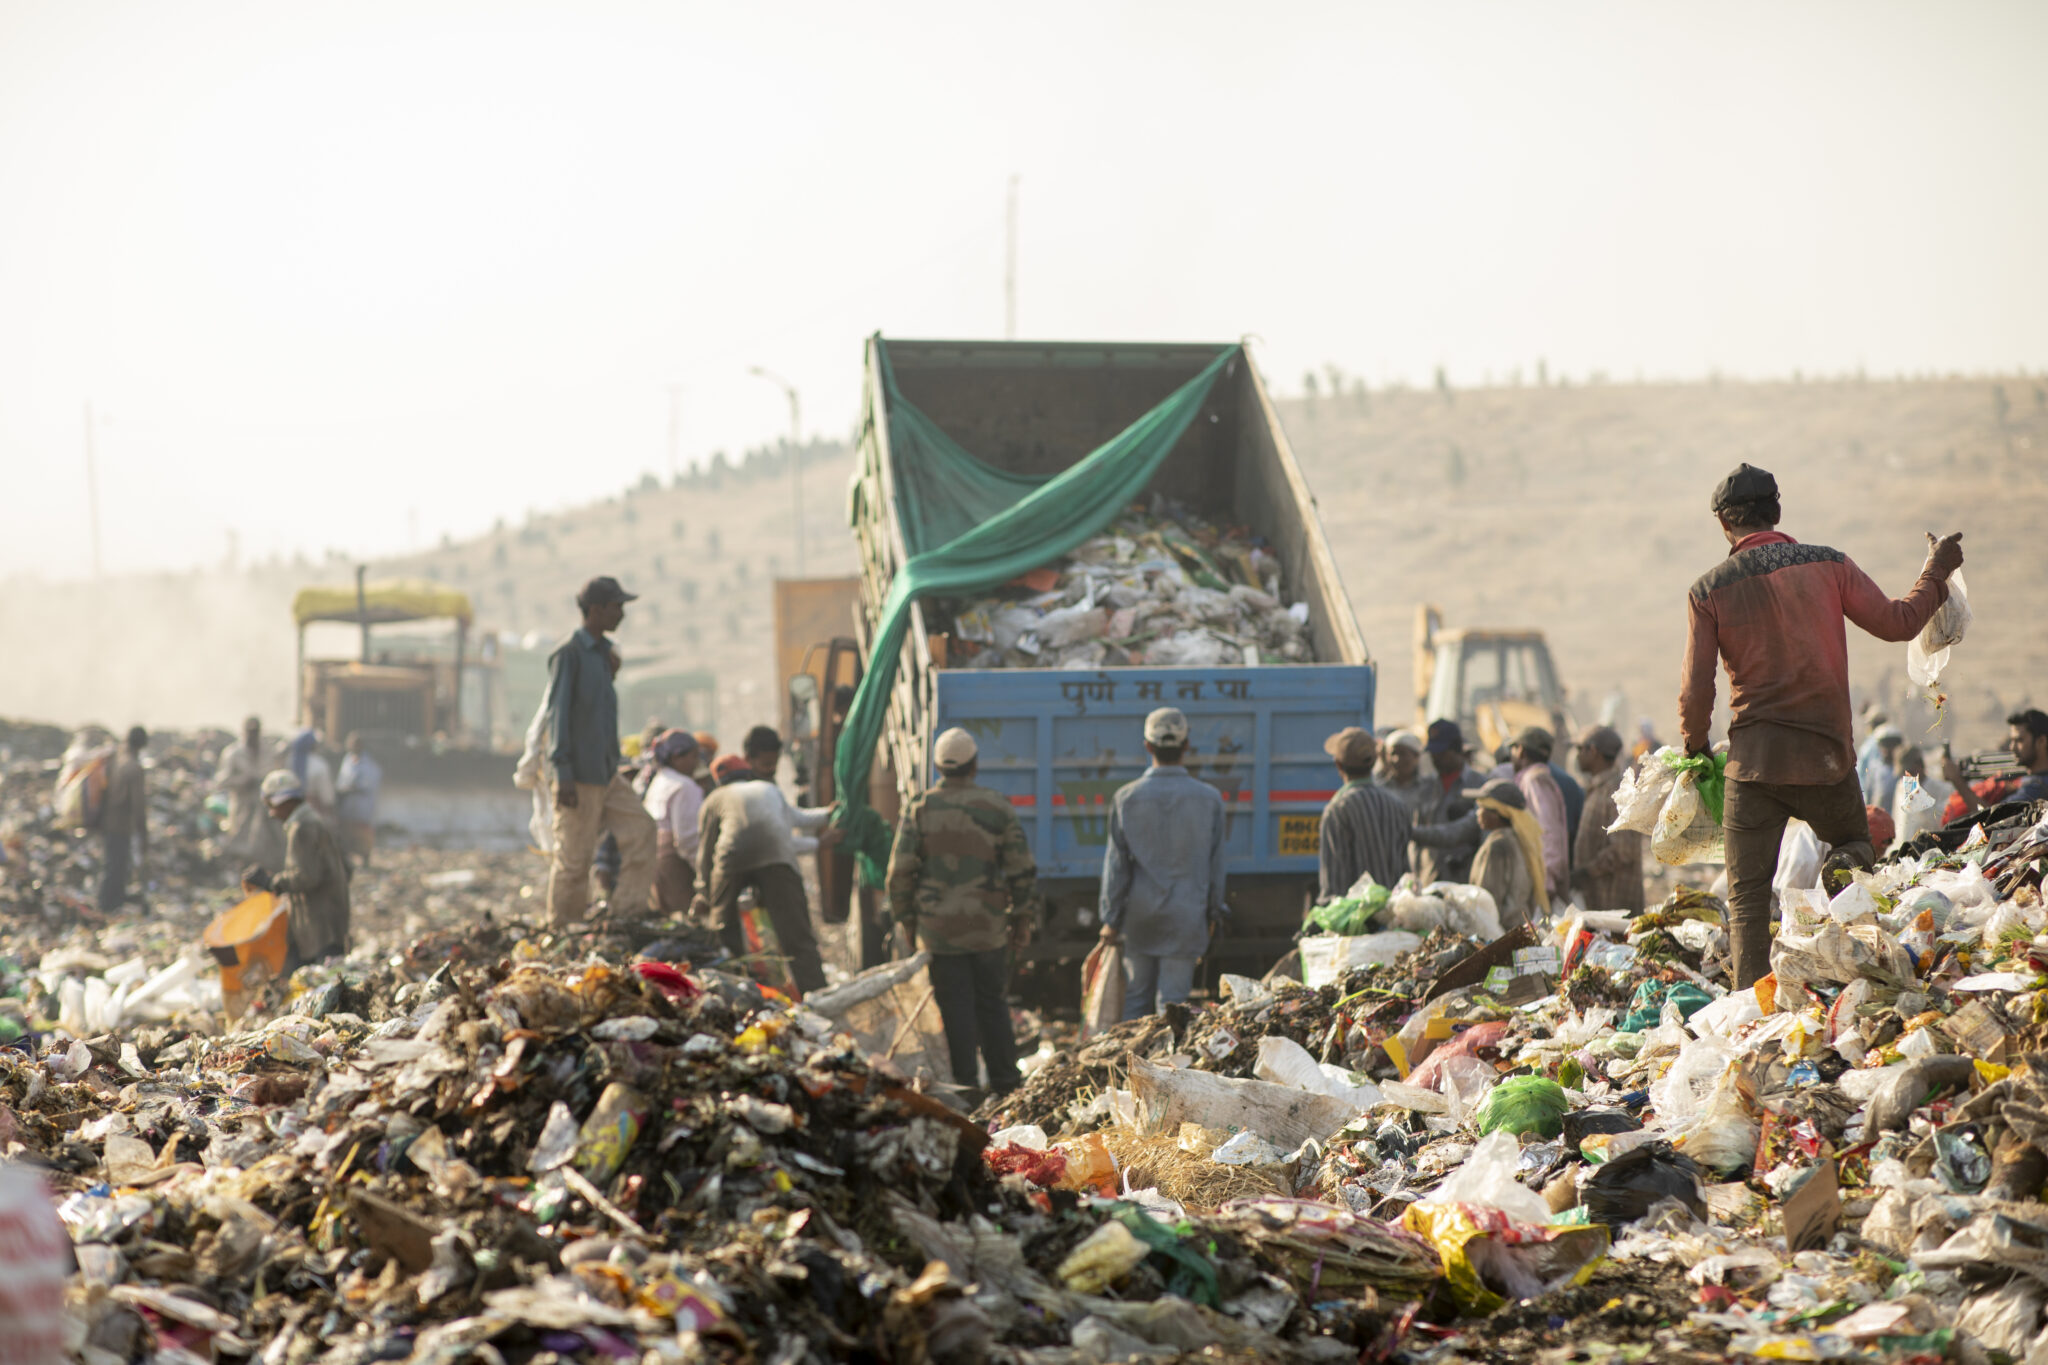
590 796
1162 875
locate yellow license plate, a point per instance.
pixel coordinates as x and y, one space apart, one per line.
1300 836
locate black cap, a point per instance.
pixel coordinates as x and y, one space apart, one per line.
1746 484
600 592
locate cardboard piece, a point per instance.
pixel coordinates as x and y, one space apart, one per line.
1814 1210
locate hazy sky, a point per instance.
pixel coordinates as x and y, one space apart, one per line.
330 271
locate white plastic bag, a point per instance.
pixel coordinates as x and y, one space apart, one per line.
1286 1062
1685 832
1800 855
1927 653
1488 1179
1643 791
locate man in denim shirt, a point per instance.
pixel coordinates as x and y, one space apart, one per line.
1162 876
583 766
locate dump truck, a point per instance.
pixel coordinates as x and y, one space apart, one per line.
1058 742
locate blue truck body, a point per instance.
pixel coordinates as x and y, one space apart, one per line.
1058 742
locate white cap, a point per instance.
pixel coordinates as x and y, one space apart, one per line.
1166 726
1405 739
954 749
282 785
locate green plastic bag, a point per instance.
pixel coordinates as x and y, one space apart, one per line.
1709 775
1524 1104
1648 1006
1351 915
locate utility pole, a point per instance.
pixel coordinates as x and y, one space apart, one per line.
796 464
92 490
1010 268
675 430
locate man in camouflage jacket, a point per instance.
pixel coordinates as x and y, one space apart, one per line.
963 886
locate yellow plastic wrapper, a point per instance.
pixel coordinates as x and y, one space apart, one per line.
1111 1252
1490 1260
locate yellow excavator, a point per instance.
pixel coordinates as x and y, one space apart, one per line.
1492 682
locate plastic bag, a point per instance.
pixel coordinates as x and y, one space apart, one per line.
1800 855
1325 957
1286 1062
1626 1188
1524 1104
1490 1261
1487 1180
1927 653
1353 912
1102 989
1685 832
1723 1138
1643 791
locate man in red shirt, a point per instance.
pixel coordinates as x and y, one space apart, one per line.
1773 612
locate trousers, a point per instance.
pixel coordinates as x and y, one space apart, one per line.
969 990
614 808
779 891
1754 819
1170 979
117 865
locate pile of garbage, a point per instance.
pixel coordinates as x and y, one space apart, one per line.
1418 1139
1846 1160
1161 586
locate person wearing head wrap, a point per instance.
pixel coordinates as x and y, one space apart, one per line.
1607 869
1509 863
674 800
311 767
314 882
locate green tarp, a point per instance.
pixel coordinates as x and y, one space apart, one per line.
972 528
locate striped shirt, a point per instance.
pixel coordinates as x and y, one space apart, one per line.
1364 829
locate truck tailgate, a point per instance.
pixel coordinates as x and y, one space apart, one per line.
1058 743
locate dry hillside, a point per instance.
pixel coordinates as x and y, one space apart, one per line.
1579 510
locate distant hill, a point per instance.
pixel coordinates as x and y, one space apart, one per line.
1579 510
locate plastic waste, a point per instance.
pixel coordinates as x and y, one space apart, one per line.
1286 1062
610 1131
1105 1256
1800 855
1490 1260
1927 654
1643 791
1247 1149
1325 957
1487 1179
1630 1184
1522 1105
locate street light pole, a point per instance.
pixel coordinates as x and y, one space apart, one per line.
796 466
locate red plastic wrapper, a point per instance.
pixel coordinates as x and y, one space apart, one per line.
668 980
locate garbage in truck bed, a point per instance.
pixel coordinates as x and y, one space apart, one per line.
1161 587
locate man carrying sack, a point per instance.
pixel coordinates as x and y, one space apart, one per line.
1772 611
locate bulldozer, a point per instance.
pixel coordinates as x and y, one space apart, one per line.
1492 682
